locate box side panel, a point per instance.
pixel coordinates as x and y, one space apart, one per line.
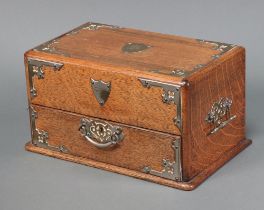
216 121
139 147
186 146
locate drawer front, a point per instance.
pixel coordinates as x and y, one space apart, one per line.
114 96
129 147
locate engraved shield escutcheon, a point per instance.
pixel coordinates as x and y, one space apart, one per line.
134 47
101 90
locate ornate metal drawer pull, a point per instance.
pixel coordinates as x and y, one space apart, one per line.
220 116
40 138
171 95
35 68
101 134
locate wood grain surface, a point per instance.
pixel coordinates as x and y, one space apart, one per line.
139 147
64 96
104 45
190 185
226 78
129 102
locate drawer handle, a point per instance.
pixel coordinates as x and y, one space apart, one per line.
101 134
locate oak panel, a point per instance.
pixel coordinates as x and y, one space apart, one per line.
139 147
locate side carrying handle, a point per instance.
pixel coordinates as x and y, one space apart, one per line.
220 115
99 133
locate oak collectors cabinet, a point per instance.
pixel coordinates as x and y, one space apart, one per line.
162 108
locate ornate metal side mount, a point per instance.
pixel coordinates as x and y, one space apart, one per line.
48 46
172 169
101 134
40 137
219 115
35 68
171 95
175 72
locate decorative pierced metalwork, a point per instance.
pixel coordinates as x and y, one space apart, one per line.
171 95
172 169
219 115
50 47
168 96
176 72
221 47
95 26
39 137
35 68
179 72
101 134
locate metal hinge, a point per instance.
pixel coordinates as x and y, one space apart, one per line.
35 68
172 169
40 137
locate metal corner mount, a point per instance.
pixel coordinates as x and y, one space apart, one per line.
35 68
219 115
39 137
222 48
172 169
171 95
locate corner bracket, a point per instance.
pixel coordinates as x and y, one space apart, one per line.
171 95
40 137
35 68
172 169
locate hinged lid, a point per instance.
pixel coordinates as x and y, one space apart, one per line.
151 52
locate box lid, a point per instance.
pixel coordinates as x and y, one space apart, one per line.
145 51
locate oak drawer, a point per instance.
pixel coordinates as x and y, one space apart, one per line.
133 148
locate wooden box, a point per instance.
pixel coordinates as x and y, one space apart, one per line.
162 108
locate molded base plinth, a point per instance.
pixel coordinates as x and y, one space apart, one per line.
192 184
